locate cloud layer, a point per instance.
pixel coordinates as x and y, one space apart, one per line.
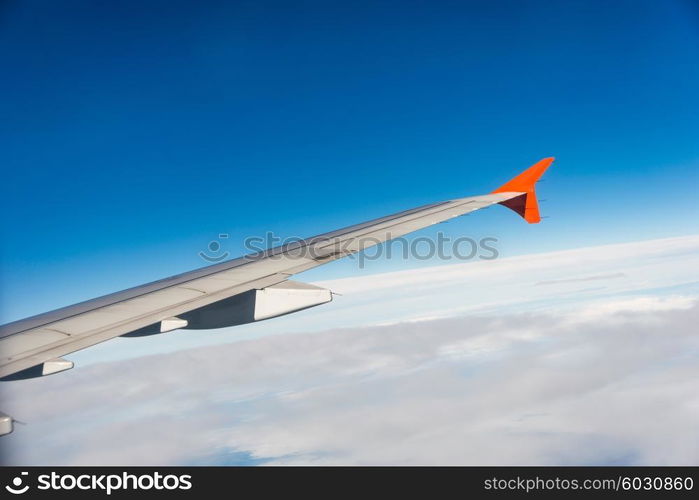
616 385
476 363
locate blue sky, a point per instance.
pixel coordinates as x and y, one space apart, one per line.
133 133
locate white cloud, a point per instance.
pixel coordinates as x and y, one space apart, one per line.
603 377
516 389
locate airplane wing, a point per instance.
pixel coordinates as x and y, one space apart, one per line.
237 291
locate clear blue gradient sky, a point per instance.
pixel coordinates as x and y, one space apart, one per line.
133 133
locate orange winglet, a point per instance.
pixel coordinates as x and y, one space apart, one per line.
526 204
